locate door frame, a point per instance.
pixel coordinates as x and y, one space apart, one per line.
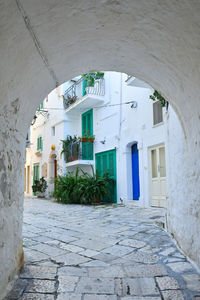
152 147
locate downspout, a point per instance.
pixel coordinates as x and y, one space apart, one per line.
120 108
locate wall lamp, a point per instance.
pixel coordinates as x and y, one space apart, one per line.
34 120
134 104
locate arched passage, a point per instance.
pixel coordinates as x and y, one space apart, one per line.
44 43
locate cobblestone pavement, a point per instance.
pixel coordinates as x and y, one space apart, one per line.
100 253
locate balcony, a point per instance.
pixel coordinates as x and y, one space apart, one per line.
79 153
78 97
133 81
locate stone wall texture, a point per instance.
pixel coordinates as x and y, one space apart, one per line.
45 43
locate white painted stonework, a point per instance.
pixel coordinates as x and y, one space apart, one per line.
45 43
122 116
50 126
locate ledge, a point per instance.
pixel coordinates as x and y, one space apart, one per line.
38 153
80 162
132 81
85 103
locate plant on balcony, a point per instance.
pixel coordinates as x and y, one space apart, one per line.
70 99
91 77
39 187
67 145
88 138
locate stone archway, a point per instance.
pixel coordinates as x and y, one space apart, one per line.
44 43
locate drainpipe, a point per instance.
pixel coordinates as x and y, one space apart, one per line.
120 108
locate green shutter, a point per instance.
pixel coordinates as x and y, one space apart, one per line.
85 84
106 162
87 128
36 174
39 144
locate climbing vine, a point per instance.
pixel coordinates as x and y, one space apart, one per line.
157 96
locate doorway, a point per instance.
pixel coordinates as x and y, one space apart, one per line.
158 176
135 172
106 162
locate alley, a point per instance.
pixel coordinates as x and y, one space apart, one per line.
75 252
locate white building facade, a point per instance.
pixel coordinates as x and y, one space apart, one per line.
130 137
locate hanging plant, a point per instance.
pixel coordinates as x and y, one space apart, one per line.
91 77
157 96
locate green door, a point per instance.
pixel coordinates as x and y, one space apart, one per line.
85 84
87 128
106 162
36 174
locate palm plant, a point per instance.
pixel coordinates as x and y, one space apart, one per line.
95 187
67 188
83 189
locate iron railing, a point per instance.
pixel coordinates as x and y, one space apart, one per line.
79 150
79 89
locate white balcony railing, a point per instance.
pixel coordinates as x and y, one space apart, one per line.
79 90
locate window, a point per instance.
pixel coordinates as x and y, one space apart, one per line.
39 144
41 107
157 113
53 131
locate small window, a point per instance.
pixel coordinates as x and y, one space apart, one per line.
39 144
53 131
157 113
41 107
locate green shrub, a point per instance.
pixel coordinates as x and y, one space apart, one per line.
67 188
95 187
83 189
39 186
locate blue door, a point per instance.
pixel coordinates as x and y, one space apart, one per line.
135 172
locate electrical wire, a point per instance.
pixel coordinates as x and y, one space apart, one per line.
100 106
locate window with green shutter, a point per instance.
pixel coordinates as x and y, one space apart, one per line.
87 128
39 144
36 173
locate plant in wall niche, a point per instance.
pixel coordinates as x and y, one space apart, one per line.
39 187
88 138
91 77
157 96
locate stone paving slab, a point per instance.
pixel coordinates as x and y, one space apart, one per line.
95 286
173 295
39 272
75 252
145 270
36 296
136 286
41 286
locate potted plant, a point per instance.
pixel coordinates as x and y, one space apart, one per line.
87 138
70 99
39 187
91 77
71 148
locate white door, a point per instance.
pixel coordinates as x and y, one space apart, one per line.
158 176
